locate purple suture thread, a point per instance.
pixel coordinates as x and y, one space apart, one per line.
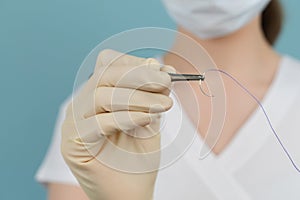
264 111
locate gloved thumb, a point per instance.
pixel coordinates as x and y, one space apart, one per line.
168 69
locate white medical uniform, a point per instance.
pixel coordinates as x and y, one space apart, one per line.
252 166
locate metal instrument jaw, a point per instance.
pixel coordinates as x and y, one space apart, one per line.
190 77
186 77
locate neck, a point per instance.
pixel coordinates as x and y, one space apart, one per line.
243 53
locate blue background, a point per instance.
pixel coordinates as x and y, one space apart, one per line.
42 44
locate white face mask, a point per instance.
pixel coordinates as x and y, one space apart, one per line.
214 18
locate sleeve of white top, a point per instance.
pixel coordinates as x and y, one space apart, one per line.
53 168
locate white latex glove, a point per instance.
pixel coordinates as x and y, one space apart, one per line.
110 137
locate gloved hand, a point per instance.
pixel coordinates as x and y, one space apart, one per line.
110 136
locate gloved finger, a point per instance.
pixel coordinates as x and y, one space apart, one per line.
168 69
141 77
109 57
110 123
111 99
153 64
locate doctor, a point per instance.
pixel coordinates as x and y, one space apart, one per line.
245 163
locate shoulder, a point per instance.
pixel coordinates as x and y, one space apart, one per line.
289 74
289 77
291 64
290 94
